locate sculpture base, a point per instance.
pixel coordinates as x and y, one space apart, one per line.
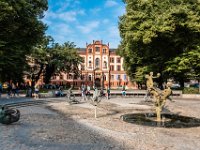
167 120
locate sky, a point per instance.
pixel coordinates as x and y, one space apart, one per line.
82 21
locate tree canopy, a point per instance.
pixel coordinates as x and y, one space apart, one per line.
53 59
21 28
156 33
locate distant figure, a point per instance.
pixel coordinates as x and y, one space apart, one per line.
13 89
88 89
83 92
108 93
36 91
124 93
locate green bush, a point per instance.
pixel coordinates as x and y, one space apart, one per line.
190 90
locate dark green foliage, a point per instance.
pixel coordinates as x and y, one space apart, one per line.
154 33
20 30
54 59
190 90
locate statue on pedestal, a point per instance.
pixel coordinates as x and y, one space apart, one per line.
159 97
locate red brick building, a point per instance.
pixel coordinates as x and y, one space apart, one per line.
101 67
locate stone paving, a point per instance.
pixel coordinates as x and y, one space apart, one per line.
60 126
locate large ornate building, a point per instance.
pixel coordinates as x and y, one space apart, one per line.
101 67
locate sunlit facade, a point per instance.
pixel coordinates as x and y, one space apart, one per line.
101 67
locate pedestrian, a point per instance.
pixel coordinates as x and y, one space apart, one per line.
124 93
84 92
60 91
108 93
36 91
88 90
13 89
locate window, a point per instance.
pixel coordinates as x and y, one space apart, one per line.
118 77
90 50
111 68
104 50
112 60
97 49
90 64
70 76
118 67
90 78
97 62
82 67
112 77
124 77
118 60
104 64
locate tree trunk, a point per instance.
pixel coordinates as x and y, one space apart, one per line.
39 73
50 70
181 82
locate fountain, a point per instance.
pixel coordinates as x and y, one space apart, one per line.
159 118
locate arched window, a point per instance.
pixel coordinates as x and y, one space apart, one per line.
90 78
104 77
105 64
97 62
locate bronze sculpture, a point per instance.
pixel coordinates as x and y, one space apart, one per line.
8 116
159 97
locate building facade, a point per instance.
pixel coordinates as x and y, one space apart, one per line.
101 67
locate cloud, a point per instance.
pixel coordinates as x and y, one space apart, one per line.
95 10
110 3
89 27
59 31
67 16
105 21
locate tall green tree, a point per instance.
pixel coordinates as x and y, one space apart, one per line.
21 28
154 33
53 59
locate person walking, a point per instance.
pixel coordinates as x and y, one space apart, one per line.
108 93
36 91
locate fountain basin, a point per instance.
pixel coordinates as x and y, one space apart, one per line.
167 121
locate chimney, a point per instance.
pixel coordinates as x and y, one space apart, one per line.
93 41
108 44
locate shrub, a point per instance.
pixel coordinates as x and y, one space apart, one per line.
190 90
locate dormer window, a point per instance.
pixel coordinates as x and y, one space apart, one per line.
97 49
90 50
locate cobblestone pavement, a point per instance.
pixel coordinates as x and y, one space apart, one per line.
60 126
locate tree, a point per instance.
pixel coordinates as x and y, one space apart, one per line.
186 64
53 59
155 32
20 30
